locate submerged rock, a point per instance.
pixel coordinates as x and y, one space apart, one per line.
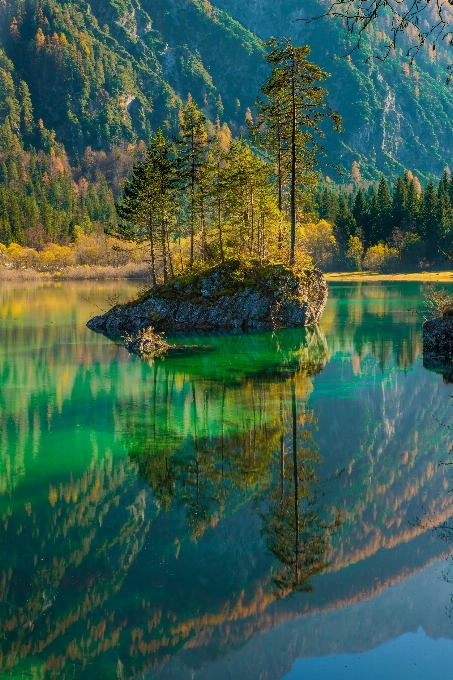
231 296
438 345
149 344
146 343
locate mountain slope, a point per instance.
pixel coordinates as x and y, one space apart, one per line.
109 72
395 117
102 73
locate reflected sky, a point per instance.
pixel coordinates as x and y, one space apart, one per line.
210 515
413 655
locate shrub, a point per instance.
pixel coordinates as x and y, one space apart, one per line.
318 240
381 258
438 302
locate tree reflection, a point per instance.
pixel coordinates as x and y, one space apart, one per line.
265 452
295 532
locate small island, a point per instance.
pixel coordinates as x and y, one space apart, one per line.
231 296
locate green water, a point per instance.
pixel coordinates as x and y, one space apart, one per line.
222 514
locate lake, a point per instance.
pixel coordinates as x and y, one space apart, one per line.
276 508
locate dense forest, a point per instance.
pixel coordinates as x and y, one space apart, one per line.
375 225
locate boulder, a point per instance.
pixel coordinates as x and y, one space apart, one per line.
438 346
228 297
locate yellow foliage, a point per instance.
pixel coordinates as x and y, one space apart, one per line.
355 252
381 258
318 241
88 251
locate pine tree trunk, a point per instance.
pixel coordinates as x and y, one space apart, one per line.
164 250
170 262
192 207
280 182
151 248
220 227
252 217
292 257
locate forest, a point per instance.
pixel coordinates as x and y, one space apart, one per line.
49 209
199 189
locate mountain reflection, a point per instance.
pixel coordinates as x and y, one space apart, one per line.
155 516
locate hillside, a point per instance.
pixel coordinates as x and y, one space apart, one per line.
395 117
109 72
105 73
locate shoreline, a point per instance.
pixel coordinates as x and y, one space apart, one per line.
429 277
139 272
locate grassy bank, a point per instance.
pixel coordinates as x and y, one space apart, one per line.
131 270
440 277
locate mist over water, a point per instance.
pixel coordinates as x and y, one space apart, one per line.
238 513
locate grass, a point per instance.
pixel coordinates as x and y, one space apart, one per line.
435 277
81 273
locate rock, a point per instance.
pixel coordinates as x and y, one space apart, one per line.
438 346
146 343
230 296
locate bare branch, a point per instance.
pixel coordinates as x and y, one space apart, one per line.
430 22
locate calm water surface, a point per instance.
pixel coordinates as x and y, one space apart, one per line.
270 509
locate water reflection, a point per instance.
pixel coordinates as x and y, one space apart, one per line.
150 514
265 451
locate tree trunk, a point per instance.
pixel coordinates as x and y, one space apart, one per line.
151 249
168 250
164 250
280 182
192 206
292 257
220 227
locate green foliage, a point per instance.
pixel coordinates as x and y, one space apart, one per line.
292 115
416 223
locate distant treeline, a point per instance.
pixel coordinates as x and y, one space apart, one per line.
417 222
43 198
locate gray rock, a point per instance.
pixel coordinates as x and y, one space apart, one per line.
227 297
438 346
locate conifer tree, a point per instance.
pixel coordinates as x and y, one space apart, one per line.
345 223
399 203
444 207
301 100
384 219
430 229
147 204
192 156
412 202
359 210
217 174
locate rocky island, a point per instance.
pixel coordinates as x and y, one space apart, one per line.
231 296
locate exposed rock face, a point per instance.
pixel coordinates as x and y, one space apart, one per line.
230 297
438 345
